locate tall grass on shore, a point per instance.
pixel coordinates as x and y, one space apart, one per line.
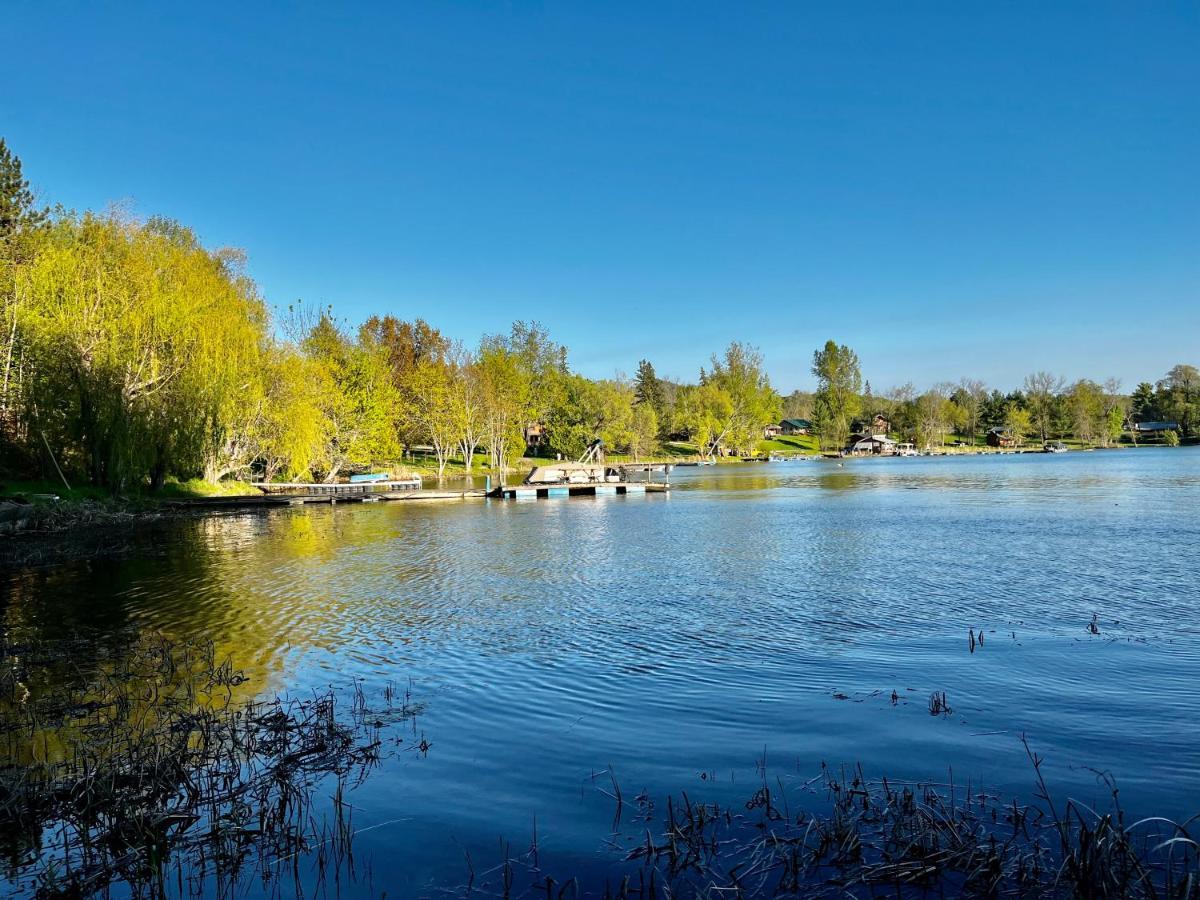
153 772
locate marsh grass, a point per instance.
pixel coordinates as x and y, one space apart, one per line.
842 835
153 772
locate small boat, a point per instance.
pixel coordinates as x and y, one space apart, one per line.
907 450
1056 447
706 462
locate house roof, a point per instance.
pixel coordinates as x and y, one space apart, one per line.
1155 426
797 423
874 439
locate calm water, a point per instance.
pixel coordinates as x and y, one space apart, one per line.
757 608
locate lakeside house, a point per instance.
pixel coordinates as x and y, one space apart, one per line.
535 435
1001 437
877 424
1155 427
873 445
795 426
771 431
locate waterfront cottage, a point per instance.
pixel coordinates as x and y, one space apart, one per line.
771 431
795 426
875 445
535 435
1001 437
1155 427
877 424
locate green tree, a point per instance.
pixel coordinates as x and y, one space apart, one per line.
1042 392
18 209
1086 404
140 348
1143 404
290 434
837 401
971 396
643 439
1018 421
742 399
701 411
429 408
587 411
506 391
360 400
1179 397
648 389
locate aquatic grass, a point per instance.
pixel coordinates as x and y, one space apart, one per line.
857 837
150 769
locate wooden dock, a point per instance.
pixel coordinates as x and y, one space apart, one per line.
586 489
298 499
339 488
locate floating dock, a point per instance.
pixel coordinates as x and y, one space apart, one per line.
587 489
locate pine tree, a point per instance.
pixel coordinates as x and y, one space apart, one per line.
648 389
17 210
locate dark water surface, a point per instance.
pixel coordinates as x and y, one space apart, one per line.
758 607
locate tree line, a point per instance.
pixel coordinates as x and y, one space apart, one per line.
132 354
1046 407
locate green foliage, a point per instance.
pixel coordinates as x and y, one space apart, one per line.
18 211
643 431
135 357
648 388
837 401
1018 420
585 411
137 346
727 411
357 396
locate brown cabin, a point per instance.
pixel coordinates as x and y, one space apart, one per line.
1001 437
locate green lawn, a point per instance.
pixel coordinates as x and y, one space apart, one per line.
790 445
25 489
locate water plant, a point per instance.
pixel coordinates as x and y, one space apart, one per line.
149 769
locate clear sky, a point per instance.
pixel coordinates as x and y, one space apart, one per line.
953 189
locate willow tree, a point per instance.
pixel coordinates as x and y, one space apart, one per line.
140 346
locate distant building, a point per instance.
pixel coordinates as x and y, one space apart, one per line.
877 424
535 435
1001 437
875 445
795 426
771 431
1155 427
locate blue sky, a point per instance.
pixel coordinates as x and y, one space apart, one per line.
952 189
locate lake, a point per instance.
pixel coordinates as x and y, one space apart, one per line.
759 617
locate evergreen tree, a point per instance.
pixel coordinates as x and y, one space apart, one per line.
17 210
648 388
